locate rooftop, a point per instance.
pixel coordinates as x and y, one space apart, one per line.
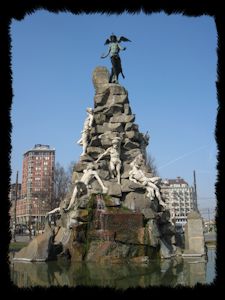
40 147
178 180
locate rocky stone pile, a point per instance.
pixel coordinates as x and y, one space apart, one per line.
113 118
122 223
130 220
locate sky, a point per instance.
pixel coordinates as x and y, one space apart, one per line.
170 69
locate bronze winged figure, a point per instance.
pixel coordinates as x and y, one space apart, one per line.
114 48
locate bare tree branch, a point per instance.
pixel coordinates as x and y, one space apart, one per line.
151 165
62 183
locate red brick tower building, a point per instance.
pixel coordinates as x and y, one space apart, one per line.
37 185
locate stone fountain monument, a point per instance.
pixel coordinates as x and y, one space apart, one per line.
115 212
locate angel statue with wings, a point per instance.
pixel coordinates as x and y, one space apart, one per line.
114 49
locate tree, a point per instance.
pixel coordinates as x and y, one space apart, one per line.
70 173
62 183
151 165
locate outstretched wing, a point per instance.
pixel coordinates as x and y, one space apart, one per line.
123 39
107 42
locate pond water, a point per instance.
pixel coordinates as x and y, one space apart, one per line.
169 272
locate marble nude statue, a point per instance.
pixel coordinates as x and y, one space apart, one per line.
113 51
86 130
81 189
80 186
89 173
138 176
55 210
115 162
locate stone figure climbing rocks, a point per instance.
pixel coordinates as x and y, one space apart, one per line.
115 162
86 130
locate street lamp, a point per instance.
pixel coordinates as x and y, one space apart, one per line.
29 222
43 207
15 201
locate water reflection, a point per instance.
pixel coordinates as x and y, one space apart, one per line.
121 276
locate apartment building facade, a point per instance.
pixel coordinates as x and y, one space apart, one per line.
180 199
37 185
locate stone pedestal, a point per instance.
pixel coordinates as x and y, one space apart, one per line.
194 235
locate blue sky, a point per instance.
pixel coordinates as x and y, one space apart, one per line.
170 69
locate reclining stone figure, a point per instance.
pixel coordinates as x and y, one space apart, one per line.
80 188
89 173
138 176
